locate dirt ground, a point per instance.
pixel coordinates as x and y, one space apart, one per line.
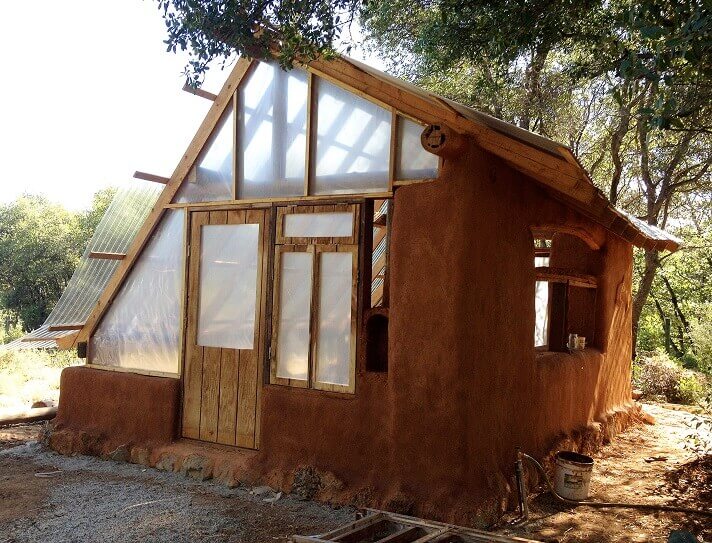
647 464
47 497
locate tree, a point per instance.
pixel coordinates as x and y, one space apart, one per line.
40 246
665 41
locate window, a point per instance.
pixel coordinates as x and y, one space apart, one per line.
412 160
141 329
314 302
565 298
211 179
272 130
352 142
292 133
228 285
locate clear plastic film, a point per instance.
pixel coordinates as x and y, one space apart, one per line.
413 162
353 142
141 328
272 132
294 315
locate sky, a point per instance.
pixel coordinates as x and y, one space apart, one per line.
88 95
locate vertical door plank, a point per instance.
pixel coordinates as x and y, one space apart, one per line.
227 408
210 396
193 371
249 359
210 392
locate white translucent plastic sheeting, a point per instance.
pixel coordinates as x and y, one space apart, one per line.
333 363
541 306
141 328
294 316
212 179
413 161
228 285
272 132
318 225
353 142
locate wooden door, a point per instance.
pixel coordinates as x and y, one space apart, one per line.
224 326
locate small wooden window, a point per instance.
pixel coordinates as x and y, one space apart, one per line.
318 225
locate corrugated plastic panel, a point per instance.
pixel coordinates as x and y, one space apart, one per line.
114 234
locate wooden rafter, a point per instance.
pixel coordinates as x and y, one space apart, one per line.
151 177
200 92
65 327
181 171
106 256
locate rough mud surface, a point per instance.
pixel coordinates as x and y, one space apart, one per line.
646 463
90 500
85 499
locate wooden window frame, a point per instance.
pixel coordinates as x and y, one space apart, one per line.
315 247
282 212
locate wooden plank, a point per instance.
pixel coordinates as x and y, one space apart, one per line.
106 256
65 327
227 405
181 171
407 534
564 275
210 391
151 373
193 365
265 320
295 201
151 177
311 132
249 358
393 153
197 91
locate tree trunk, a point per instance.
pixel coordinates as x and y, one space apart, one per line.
644 288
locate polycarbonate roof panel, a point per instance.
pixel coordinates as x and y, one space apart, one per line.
114 234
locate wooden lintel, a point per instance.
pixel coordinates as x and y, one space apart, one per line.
200 92
563 275
151 177
107 256
65 327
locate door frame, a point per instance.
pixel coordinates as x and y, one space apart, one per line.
264 321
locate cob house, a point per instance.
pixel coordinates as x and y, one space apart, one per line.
349 279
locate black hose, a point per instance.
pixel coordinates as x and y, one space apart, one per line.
646 506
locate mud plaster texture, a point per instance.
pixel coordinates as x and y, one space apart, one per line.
435 436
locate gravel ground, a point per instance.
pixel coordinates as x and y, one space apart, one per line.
86 499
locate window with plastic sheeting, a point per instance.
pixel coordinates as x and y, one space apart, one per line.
228 283
412 160
314 307
352 142
272 133
211 179
141 329
541 306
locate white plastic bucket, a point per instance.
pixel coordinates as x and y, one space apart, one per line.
572 475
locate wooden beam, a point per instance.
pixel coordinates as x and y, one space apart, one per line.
65 327
563 275
195 91
201 137
106 256
151 177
